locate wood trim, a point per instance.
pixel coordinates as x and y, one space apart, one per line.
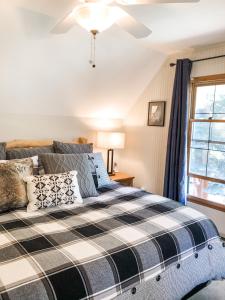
207 80
206 178
206 121
191 115
203 81
40 143
211 142
206 203
200 81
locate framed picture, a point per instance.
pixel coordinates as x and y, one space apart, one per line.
156 113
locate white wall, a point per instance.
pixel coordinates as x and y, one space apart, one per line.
145 152
40 127
23 126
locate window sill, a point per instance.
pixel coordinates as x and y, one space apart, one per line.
206 203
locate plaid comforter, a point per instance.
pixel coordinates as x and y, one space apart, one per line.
98 250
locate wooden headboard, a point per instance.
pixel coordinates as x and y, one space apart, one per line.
39 143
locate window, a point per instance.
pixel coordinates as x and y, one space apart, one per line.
206 145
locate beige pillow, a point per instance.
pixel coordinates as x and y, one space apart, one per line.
12 187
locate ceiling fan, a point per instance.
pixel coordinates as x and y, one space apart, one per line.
99 15
93 15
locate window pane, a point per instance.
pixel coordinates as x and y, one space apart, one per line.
207 154
198 161
218 116
210 102
219 106
207 190
218 132
199 145
216 165
207 145
216 146
205 99
200 131
204 116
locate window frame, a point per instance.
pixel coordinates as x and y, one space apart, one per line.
195 83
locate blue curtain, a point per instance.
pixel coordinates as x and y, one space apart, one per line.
176 160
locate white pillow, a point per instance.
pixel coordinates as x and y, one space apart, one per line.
35 161
44 191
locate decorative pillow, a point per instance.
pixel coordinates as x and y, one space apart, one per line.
27 152
2 151
60 163
99 171
18 153
34 160
69 148
45 191
24 166
12 187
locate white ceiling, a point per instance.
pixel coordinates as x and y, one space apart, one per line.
42 73
180 26
175 26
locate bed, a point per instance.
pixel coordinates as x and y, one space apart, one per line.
124 244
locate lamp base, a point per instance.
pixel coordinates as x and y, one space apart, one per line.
110 154
111 174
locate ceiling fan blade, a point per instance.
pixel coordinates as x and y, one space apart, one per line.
131 25
52 8
65 24
35 24
139 2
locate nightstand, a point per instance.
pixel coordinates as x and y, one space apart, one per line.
123 178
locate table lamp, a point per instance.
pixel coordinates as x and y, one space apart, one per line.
110 141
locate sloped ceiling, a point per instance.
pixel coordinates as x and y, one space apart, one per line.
48 74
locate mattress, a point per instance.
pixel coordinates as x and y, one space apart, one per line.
126 243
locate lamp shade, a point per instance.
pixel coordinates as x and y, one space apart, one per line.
110 140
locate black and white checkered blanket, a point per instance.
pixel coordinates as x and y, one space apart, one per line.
98 250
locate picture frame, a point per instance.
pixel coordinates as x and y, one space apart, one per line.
156 113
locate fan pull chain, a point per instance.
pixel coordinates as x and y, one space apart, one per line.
92 57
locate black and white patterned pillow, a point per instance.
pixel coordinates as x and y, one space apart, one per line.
98 169
44 191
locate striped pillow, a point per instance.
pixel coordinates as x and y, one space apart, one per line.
27 152
60 163
69 148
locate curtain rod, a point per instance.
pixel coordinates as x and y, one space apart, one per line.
201 59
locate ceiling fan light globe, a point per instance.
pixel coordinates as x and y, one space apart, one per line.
128 2
95 16
106 2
